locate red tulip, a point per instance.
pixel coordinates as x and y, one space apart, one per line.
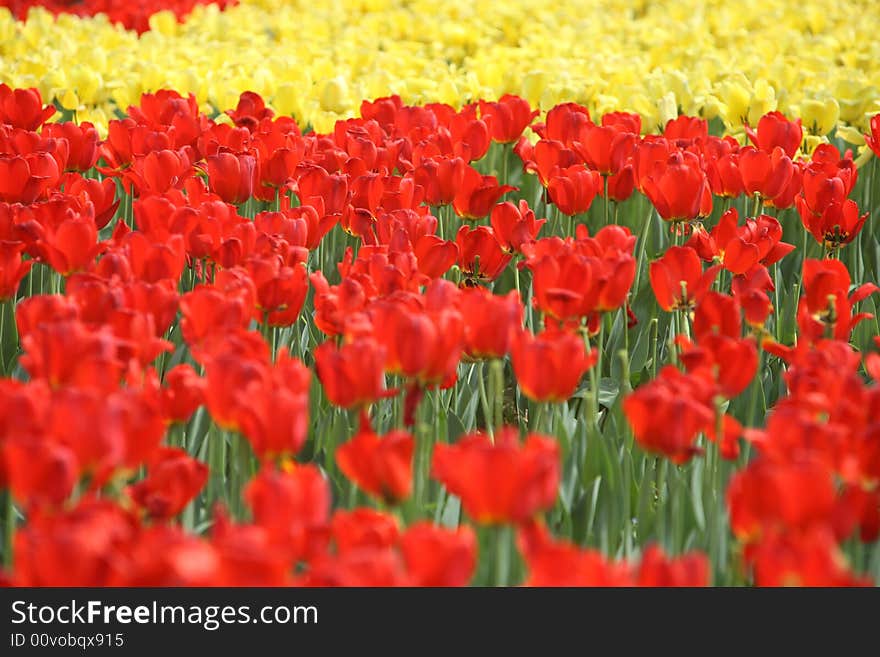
873 139
23 108
678 188
549 366
678 279
515 225
232 177
669 412
480 256
477 194
381 466
352 374
173 479
500 482
490 322
774 130
508 118
12 269
437 556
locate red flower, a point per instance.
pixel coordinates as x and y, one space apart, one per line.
500 482
678 279
436 556
293 507
825 310
573 189
173 479
836 226
183 393
678 188
82 143
508 118
23 108
561 563
490 322
514 226
274 415
26 178
774 130
768 496
353 374
12 269
668 413
656 569
363 529
480 256
281 290
873 139
476 194
232 176
767 174
380 466
549 366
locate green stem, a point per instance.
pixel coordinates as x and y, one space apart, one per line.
496 370
484 399
501 567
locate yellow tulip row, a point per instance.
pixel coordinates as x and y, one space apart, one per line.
818 59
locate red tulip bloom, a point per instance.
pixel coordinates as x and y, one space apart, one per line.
440 177
477 194
232 177
353 374
435 255
740 248
656 569
825 310
508 118
12 269
678 188
573 189
425 346
480 256
836 226
873 139
686 129
767 496
382 466
26 178
82 142
173 479
23 108
678 279
79 546
515 226
293 507
500 482
774 130
767 174
363 529
183 393
437 556
274 415
281 290
549 366
751 291
564 123
669 412
490 322
605 148
39 472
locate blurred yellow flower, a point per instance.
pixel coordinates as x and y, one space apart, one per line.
818 59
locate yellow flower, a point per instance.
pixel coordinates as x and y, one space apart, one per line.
820 116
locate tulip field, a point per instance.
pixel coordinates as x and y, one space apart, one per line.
386 293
